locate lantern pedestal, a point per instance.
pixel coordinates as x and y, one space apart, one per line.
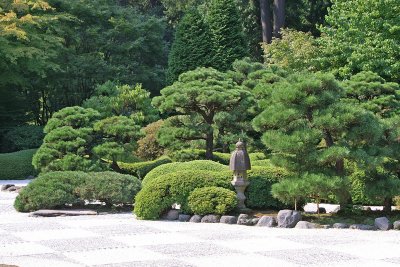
240 185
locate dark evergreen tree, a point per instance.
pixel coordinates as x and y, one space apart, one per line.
228 38
192 46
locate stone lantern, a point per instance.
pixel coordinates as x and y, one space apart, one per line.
239 164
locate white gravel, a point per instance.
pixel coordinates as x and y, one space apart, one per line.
120 240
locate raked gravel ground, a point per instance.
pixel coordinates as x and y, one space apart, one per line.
120 240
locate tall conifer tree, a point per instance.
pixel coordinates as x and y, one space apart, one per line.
192 46
226 27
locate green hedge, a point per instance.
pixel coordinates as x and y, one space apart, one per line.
258 193
140 169
205 165
212 200
199 154
160 193
58 189
17 165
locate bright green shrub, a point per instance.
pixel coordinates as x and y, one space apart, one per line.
204 165
258 193
161 192
262 163
140 169
187 155
257 156
23 137
199 154
17 165
212 200
50 190
109 187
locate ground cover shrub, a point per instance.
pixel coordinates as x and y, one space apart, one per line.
161 192
50 190
109 187
212 200
17 165
204 165
141 169
258 193
58 189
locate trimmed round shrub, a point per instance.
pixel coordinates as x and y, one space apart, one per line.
50 190
109 187
212 200
258 193
140 169
204 165
17 165
161 192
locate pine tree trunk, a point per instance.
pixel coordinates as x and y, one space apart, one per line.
279 17
387 204
265 15
209 144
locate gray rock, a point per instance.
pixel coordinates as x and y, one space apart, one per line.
195 219
183 218
12 188
4 187
341 225
364 227
171 215
245 219
288 218
306 225
228 219
267 221
383 223
210 219
396 225
326 226
56 213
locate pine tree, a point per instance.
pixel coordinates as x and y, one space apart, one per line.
312 132
228 39
192 46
